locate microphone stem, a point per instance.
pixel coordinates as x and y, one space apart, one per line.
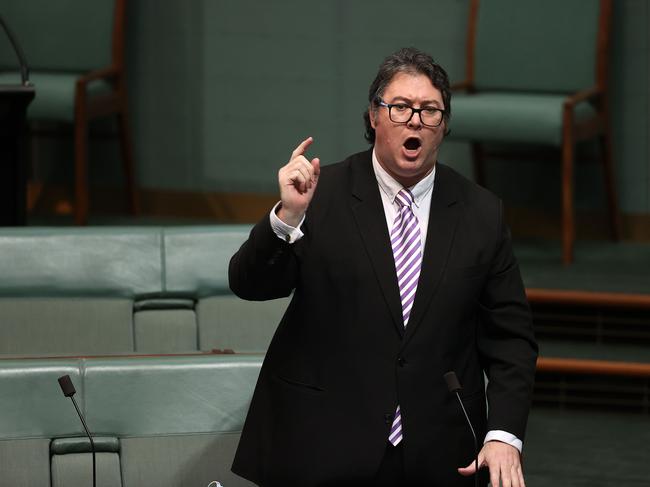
92 443
24 70
462 406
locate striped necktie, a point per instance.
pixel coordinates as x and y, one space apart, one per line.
406 242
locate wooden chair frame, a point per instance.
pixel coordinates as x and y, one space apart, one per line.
87 108
572 132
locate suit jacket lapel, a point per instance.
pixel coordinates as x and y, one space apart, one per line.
443 219
368 212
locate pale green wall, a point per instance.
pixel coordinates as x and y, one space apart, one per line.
244 81
222 91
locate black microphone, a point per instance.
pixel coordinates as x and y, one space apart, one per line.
24 69
454 387
69 391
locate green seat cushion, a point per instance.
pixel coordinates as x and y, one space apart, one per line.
106 262
243 326
171 461
72 326
197 258
32 404
168 395
25 463
511 117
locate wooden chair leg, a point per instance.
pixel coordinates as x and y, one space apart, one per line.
81 168
568 223
478 158
127 160
605 141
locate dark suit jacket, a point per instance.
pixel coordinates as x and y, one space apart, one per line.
341 360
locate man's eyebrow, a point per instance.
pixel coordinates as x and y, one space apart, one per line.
406 99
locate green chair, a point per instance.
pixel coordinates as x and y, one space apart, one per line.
536 74
75 50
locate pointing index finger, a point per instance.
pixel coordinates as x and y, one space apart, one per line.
302 147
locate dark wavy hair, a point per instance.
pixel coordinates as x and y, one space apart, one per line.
407 60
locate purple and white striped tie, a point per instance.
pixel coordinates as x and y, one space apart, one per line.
406 242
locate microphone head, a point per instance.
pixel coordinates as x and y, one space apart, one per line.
452 381
66 386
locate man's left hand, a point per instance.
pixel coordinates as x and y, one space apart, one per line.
504 463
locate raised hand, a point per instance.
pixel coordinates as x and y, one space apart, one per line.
297 180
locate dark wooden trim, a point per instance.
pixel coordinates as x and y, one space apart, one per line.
133 355
588 298
470 48
119 24
568 223
603 45
89 107
591 367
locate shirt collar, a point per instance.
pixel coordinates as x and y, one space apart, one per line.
391 187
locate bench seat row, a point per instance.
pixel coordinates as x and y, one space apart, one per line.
159 421
107 290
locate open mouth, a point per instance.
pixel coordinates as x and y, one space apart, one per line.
412 144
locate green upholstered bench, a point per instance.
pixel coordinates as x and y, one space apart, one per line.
159 421
111 290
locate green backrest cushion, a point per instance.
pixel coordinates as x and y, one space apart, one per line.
59 35
169 395
72 326
106 262
536 45
31 402
196 258
175 460
243 326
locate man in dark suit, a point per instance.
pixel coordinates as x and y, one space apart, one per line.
401 270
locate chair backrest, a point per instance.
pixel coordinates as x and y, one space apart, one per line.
555 46
64 35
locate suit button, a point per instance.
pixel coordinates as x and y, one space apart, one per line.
401 361
388 418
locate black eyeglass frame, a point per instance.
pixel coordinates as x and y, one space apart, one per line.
419 111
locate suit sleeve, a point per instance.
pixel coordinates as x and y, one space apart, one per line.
506 340
265 267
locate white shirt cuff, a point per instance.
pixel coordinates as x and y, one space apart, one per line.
282 230
505 437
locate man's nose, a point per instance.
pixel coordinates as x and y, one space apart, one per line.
415 121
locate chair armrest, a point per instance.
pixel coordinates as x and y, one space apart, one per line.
589 93
104 73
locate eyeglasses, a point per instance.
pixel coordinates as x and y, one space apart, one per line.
402 113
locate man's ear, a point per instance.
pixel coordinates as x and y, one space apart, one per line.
372 113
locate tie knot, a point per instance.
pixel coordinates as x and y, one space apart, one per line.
404 198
